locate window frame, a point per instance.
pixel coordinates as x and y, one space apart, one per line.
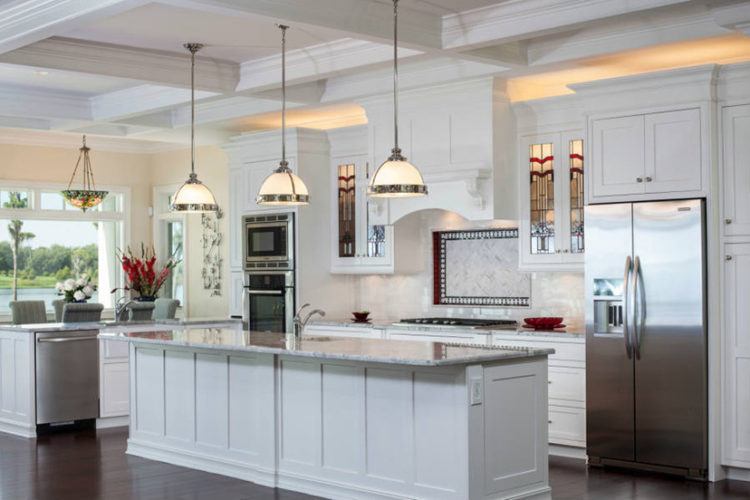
35 212
160 218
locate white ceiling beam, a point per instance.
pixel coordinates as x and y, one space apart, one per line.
735 17
27 103
509 21
226 109
316 62
687 22
370 20
164 68
28 21
140 99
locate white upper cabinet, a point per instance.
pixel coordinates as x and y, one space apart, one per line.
551 229
648 154
618 156
673 151
736 169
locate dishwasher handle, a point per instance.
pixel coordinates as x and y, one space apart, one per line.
65 339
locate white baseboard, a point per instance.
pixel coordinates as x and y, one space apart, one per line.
107 422
17 428
737 473
567 451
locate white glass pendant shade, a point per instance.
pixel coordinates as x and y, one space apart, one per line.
283 187
397 178
194 197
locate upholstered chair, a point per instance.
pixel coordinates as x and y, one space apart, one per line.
27 311
81 313
166 308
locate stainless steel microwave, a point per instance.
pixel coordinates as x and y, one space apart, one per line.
268 241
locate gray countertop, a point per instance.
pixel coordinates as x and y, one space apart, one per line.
67 327
399 352
570 331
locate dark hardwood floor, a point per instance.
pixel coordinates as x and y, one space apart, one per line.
86 465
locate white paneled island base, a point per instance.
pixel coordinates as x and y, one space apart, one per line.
343 418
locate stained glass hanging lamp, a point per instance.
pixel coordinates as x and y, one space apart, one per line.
88 196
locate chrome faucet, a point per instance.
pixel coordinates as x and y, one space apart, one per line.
121 306
300 324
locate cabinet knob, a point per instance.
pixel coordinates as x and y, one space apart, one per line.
549 421
727 221
549 381
639 179
728 257
648 179
566 250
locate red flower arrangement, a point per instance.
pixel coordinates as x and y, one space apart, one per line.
142 275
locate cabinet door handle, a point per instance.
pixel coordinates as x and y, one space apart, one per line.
639 179
648 179
566 250
727 221
728 257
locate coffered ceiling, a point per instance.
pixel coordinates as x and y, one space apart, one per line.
116 69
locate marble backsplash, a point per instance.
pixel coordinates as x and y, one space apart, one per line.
409 294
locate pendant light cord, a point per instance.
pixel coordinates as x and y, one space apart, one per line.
395 76
193 49
283 29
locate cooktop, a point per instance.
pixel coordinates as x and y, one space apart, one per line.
471 322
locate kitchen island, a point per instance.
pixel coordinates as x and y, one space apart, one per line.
341 417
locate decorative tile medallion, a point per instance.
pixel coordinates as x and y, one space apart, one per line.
478 268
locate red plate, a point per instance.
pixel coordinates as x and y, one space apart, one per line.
543 322
545 327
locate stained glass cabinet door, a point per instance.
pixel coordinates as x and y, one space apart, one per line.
359 245
551 226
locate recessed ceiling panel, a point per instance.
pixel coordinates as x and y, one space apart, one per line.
233 38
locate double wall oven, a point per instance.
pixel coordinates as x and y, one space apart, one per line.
269 285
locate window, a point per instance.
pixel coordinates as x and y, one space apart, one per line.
170 235
44 241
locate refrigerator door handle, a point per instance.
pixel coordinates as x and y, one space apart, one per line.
639 307
626 307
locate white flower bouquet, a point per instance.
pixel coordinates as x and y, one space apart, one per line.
76 290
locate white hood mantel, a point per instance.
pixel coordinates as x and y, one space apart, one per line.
461 137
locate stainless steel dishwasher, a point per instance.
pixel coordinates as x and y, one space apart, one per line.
67 376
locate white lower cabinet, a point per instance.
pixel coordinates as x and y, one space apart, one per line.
567 385
447 337
736 386
114 399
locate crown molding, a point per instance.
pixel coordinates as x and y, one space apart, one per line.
159 67
518 19
415 75
317 61
71 141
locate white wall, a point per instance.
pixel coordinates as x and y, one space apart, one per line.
403 295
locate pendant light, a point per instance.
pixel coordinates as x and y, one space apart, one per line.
88 196
283 187
193 196
396 177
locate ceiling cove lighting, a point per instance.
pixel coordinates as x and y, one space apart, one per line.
193 196
396 177
283 187
88 196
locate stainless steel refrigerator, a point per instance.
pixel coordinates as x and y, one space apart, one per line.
646 356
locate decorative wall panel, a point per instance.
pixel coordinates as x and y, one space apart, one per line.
479 267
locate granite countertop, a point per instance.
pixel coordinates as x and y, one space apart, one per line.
91 325
399 352
573 330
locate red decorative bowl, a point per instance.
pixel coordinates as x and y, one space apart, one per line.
361 316
542 323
